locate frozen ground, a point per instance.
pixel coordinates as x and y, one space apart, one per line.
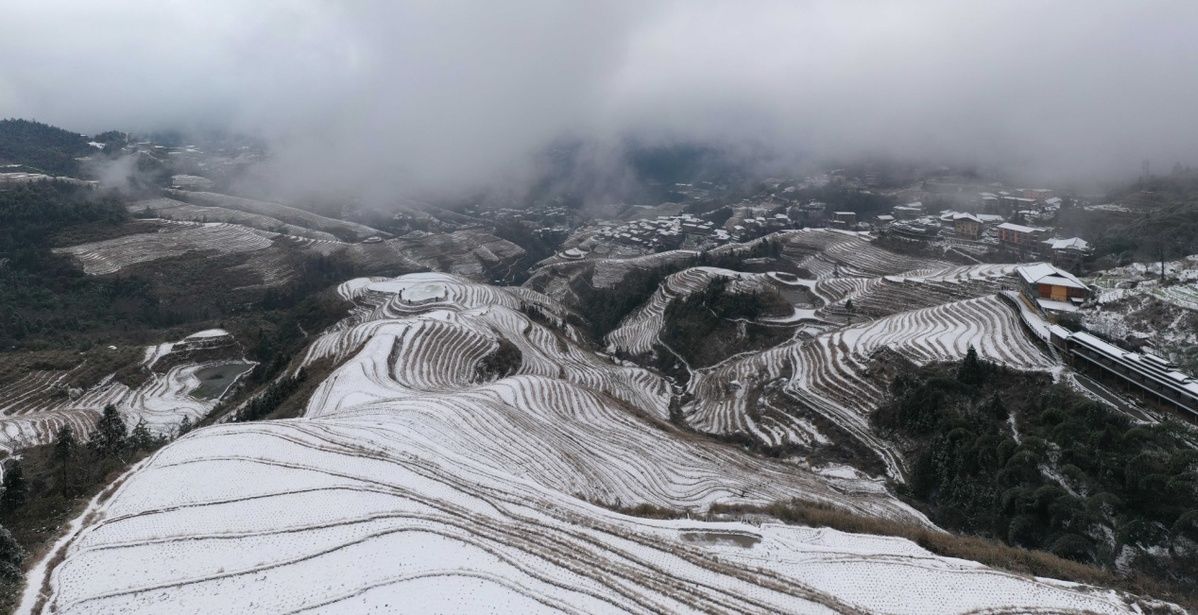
1135 307
31 414
435 471
173 239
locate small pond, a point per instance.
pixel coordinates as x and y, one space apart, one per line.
215 380
739 539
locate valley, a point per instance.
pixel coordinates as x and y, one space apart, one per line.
216 401
478 442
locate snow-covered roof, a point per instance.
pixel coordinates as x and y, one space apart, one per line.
966 216
207 333
1060 331
1043 273
1147 365
1073 243
1019 228
1057 280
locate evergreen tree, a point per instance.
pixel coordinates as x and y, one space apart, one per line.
64 451
141 439
972 370
184 427
15 489
65 444
995 409
11 555
111 435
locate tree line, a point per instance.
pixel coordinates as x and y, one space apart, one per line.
1015 457
41 146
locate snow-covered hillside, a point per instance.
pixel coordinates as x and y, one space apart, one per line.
36 406
455 460
831 375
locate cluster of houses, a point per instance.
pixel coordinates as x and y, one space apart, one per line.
544 215
756 226
989 230
664 232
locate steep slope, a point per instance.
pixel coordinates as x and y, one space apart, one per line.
290 215
449 462
171 209
172 239
270 257
772 396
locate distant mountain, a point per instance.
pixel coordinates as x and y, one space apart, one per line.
578 171
41 146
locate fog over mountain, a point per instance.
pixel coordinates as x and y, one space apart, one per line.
436 97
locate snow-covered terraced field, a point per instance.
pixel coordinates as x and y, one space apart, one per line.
469 253
639 331
826 253
886 295
172 209
112 255
829 374
417 481
29 416
286 213
557 280
325 516
611 272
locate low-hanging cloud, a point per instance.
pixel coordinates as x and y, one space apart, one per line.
386 98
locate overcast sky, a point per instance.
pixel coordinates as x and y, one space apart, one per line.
442 93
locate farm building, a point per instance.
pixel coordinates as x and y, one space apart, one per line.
1068 253
910 211
988 201
1009 204
1018 236
844 219
967 225
1052 289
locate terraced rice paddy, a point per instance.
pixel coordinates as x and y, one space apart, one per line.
36 406
174 239
425 477
830 375
640 331
171 209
